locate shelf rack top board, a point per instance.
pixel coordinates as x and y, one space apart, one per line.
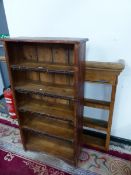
63 40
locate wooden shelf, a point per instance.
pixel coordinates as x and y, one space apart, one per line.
49 145
39 107
94 141
97 103
59 129
65 92
43 67
95 123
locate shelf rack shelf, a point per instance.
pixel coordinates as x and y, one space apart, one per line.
55 128
44 67
97 103
45 90
95 123
47 109
94 141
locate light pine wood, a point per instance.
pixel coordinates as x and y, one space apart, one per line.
97 103
108 66
105 73
110 115
94 141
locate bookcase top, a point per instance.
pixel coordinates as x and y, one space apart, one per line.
63 40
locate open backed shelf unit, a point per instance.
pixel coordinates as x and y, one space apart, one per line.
103 73
47 78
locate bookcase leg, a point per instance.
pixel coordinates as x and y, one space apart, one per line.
110 114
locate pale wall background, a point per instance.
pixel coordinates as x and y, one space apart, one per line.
107 23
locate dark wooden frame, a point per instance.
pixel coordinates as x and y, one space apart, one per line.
77 99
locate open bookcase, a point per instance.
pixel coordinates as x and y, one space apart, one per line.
106 74
47 78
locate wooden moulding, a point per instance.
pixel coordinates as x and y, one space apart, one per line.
102 72
112 66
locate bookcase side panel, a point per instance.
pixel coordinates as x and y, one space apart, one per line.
8 57
79 84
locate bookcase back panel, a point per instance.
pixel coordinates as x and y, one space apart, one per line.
31 76
29 53
58 54
50 145
50 126
46 107
15 52
64 79
20 77
46 77
42 53
62 101
58 79
56 101
22 99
